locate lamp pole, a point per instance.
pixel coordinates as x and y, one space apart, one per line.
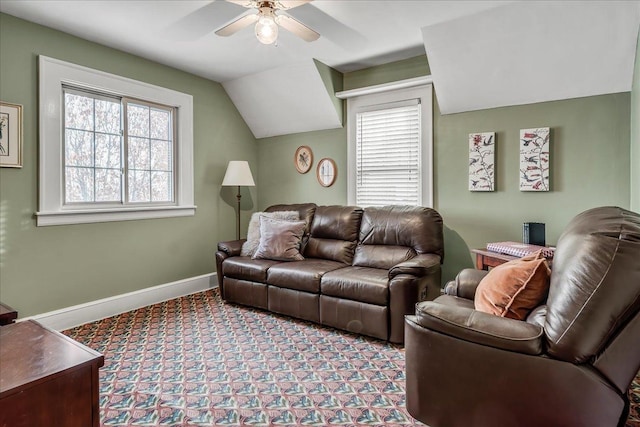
238 196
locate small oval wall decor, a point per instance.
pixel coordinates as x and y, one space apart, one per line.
326 172
303 159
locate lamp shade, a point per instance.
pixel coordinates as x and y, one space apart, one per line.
238 174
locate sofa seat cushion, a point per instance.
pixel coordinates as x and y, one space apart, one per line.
301 275
245 268
363 284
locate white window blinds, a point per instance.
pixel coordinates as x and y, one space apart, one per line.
388 147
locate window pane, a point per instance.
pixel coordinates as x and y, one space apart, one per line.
78 148
160 120
161 155
79 185
107 151
78 112
108 185
161 187
139 186
138 120
139 153
107 116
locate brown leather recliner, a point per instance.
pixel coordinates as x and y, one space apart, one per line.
569 364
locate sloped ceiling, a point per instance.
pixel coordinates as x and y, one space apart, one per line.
285 100
528 52
482 54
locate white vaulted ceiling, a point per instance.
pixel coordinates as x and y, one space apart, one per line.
284 100
529 52
482 54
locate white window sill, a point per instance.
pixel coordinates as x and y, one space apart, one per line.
86 216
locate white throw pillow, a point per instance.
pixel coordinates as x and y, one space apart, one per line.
253 231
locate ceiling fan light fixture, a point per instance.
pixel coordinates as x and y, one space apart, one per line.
266 28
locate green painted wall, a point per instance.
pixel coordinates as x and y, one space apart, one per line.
635 133
48 268
279 180
394 71
590 167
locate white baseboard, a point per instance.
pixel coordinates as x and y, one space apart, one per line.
76 315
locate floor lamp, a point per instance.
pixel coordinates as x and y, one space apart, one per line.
239 175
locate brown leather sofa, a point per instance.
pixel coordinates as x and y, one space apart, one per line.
569 364
364 269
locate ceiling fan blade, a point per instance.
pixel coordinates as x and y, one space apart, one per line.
237 25
330 28
203 21
297 28
250 4
290 4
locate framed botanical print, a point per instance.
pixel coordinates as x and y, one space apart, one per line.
482 148
534 159
10 135
326 172
303 159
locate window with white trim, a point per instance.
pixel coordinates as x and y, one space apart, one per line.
111 148
117 150
390 148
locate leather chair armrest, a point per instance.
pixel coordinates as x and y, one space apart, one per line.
419 266
480 328
465 283
231 247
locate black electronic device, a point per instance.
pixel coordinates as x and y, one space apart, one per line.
533 233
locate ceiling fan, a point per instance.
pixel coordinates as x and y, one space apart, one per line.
270 16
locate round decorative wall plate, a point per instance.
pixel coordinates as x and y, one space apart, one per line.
303 159
326 172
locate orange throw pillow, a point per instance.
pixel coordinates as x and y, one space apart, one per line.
514 288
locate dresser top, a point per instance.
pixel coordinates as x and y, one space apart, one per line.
30 353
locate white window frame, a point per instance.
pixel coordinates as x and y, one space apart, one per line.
53 74
361 100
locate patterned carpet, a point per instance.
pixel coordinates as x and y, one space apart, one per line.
195 361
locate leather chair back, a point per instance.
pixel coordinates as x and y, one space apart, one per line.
595 292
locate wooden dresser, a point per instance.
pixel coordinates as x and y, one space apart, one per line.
46 378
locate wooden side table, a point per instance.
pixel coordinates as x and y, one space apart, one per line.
47 379
7 315
487 259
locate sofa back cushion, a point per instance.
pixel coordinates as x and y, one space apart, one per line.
334 233
381 256
392 234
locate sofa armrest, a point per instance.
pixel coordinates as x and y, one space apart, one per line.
480 328
465 283
419 266
231 247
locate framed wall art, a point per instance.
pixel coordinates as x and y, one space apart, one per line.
482 161
303 159
326 172
10 135
534 159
